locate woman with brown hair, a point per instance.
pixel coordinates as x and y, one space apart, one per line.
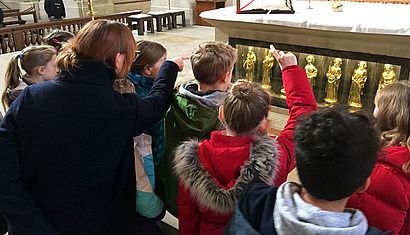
67 160
386 203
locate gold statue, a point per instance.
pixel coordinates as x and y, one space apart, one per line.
249 64
311 70
359 78
268 63
388 76
333 79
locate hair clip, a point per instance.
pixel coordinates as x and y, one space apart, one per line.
21 55
56 41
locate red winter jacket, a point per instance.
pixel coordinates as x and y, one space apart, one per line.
213 173
386 202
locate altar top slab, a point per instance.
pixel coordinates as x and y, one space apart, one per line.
375 18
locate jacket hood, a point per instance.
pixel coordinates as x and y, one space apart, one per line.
214 99
142 84
292 215
395 157
193 117
262 165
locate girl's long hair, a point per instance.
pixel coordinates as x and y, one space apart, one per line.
393 116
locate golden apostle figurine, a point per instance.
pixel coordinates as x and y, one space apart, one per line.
333 80
311 70
388 76
359 78
268 63
249 64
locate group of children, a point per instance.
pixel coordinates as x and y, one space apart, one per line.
211 164
218 164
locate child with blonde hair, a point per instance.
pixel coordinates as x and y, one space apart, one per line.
386 203
213 173
38 62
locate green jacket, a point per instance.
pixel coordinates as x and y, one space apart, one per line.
185 119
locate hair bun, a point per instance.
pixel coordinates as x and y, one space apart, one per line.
242 89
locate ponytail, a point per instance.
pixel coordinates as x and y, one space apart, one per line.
11 79
30 58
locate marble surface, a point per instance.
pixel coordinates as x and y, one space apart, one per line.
374 18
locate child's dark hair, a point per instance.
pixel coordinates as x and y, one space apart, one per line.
335 152
245 106
56 37
149 53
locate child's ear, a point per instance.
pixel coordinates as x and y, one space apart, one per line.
40 70
364 186
147 70
264 125
221 113
224 77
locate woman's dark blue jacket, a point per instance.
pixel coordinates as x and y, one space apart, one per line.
66 152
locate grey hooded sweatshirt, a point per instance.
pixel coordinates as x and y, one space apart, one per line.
292 215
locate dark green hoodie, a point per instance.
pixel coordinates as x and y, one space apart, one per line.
192 115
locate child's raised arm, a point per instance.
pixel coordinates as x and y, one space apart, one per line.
300 100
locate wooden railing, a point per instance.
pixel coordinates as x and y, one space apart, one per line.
18 37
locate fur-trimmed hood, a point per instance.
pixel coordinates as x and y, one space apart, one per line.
262 164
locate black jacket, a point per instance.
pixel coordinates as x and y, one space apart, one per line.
67 159
54 8
254 213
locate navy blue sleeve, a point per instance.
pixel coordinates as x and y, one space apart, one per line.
16 202
153 107
257 204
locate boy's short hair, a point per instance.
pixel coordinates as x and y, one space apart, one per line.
210 60
335 152
245 106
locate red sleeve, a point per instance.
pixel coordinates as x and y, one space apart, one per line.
300 100
188 212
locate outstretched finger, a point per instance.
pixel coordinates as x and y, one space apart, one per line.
274 51
185 57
